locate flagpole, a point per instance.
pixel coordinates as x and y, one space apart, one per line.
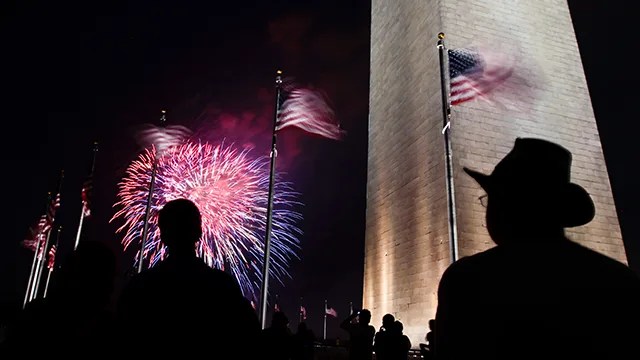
30 283
324 326
446 130
300 311
32 273
46 286
42 259
350 307
27 293
145 228
267 239
84 204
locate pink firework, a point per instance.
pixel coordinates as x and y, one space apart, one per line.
230 189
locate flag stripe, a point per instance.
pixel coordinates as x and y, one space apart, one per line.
308 110
472 77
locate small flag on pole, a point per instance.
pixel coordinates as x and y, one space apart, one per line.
276 306
308 109
86 195
87 188
51 212
52 257
303 313
473 74
331 312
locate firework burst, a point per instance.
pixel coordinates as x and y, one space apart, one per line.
231 191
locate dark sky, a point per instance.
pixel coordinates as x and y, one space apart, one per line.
84 71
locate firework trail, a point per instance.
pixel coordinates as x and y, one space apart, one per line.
230 189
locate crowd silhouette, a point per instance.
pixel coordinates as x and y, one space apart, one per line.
361 334
537 294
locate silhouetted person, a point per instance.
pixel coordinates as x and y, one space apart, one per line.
303 341
361 334
398 343
382 343
428 349
537 294
277 340
74 319
182 306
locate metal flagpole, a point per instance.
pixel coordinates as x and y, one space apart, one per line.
30 283
75 247
446 129
267 239
84 204
40 267
34 263
300 311
43 252
145 228
46 286
324 325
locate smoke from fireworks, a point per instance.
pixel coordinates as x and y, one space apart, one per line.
230 189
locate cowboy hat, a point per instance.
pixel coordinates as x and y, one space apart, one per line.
541 169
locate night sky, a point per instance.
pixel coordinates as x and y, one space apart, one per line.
80 72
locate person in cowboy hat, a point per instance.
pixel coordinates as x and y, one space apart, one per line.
537 294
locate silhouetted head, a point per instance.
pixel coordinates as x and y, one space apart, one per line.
387 321
530 195
432 324
180 226
364 317
397 327
279 320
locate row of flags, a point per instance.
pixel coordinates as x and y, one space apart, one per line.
39 238
302 311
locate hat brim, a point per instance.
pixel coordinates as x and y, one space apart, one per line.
573 203
483 179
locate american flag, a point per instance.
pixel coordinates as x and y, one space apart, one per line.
47 220
331 312
308 109
52 257
162 137
87 189
276 307
474 74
